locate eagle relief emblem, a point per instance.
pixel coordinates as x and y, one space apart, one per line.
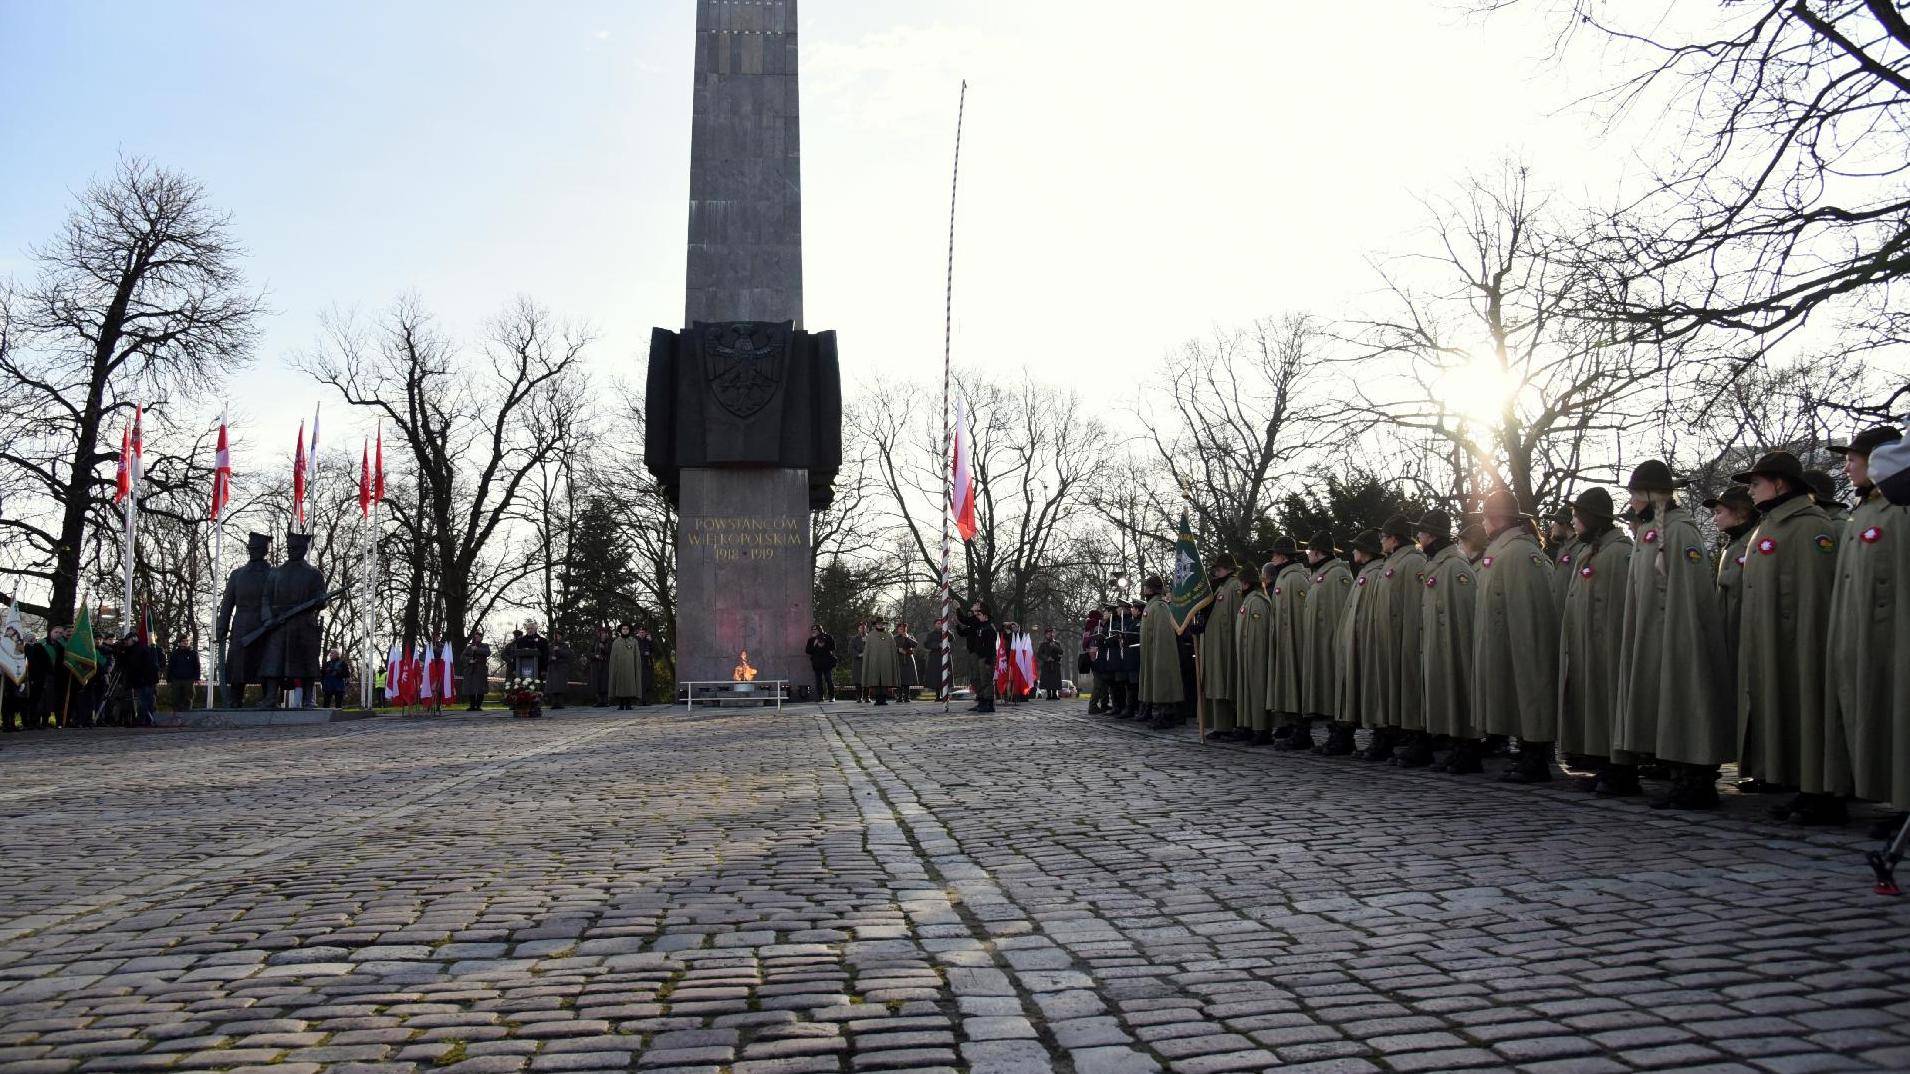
744 362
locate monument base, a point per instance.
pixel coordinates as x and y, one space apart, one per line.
744 570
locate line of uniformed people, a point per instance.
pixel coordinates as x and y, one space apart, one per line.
1624 640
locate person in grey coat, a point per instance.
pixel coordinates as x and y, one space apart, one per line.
475 675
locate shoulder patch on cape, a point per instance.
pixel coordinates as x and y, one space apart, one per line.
1463 578
1825 542
1694 553
1539 561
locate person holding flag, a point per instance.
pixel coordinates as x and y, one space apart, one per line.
983 643
79 658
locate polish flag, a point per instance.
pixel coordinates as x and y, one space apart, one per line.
427 672
1004 666
123 474
298 477
961 490
221 474
394 672
378 468
364 481
139 445
1025 662
448 668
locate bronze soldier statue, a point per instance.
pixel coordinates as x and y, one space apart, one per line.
297 592
239 615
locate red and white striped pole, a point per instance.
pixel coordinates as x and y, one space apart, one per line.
948 428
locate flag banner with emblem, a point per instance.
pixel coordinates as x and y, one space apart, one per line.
82 656
221 474
13 653
1189 592
298 477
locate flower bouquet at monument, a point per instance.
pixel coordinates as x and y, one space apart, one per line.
525 696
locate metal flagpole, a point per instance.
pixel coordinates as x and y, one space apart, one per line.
216 657
948 429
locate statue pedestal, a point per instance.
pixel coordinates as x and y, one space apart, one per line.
744 571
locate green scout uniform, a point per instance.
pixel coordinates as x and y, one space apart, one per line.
1565 559
1362 692
1731 593
1253 633
881 669
1673 674
1869 697
1286 674
1782 673
1328 591
1591 636
1515 632
1160 656
1218 666
1402 582
1446 612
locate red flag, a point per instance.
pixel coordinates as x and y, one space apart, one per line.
139 445
145 623
378 469
364 481
123 476
221 474
298 477
962 490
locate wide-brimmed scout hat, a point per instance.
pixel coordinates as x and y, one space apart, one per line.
1595 504
1437 523
1368 542
1653 475
1869 440
1775 464
1736 496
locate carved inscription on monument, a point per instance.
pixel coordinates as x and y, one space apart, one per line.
734 538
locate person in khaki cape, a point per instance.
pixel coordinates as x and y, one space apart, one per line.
1868 701
1161 689
1674 699
1360 683
1327 591
1445 641
1402 580
1781 668
1214 627
1252 660
881 667
1515 640
1564 545
1591 636
1472 543
1287 580
1824 491
1735 516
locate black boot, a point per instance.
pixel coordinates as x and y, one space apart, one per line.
1380 748
1291 738
1339 742
1466 758
1532 765
1618 781
1417 753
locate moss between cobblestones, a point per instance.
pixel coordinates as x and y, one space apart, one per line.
453 1054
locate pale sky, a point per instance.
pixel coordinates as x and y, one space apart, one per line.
1132 173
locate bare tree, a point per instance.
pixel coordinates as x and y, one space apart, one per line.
1485 347
1782 189
1037 456
138 300
476 425
1246 410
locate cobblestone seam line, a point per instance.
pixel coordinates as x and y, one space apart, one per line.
1002 1017
127 899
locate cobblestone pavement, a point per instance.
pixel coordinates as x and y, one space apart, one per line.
887 889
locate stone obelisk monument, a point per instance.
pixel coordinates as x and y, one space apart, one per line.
744 408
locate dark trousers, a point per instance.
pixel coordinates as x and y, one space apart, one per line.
332 697
181 696
822 685
554 698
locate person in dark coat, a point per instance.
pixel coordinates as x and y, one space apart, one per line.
978 632
1131 658
529 640
646 667
821 651
909 671
140 665
1048 664
557 682
51 682
600 667
474 680
182 671
331 680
